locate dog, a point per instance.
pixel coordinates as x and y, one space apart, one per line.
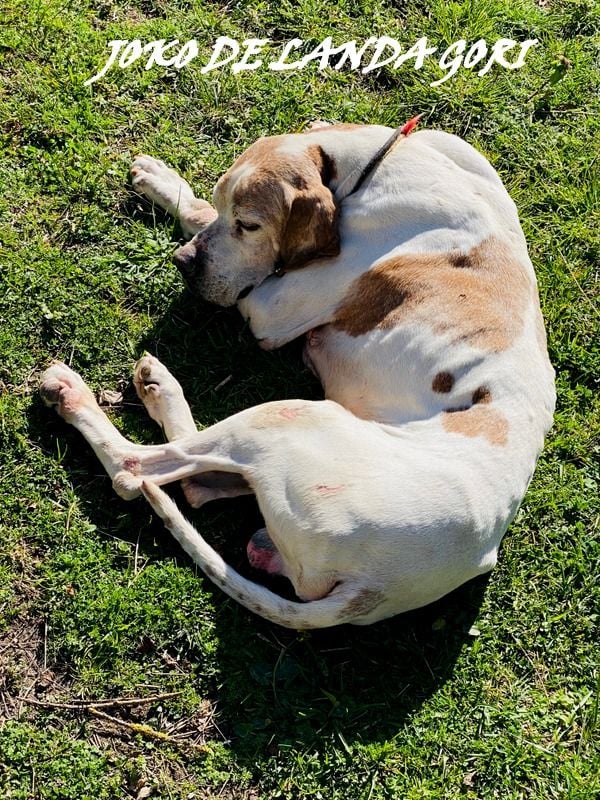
402 261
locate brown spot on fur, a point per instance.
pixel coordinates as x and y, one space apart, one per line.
460 260
209 571
482 395
479 420
362 603
492 286
443 382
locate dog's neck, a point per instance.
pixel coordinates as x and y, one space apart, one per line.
350 151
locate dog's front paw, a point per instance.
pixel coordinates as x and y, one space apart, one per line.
270 310
160 184
65 390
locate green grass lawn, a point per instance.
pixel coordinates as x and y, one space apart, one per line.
492 692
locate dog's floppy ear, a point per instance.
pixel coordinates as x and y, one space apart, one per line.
312 227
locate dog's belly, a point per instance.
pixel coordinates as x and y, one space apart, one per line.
329 358
411 373
384 376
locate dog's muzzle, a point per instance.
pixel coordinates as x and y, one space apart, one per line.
186 261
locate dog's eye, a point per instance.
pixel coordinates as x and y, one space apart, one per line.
248 226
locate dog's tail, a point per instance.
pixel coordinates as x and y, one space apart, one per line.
341 605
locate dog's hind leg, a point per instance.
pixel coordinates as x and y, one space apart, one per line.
226 447
164 400
163 186
241 445
163 397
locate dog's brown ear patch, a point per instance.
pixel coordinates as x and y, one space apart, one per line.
312 228
479 297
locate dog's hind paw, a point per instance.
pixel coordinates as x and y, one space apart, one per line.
158 390
65 390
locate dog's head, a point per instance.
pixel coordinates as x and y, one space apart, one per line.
275 213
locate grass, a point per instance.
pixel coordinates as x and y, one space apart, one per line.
490 693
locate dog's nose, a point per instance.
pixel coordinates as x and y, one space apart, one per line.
185 259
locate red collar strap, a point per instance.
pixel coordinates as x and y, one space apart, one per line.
373 163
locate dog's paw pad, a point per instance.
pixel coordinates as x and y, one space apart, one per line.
155 386
145 168
151 376
65 390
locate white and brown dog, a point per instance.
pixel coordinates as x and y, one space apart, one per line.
423 323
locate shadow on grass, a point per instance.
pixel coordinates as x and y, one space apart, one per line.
278 689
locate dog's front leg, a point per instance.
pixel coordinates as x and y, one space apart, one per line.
163 186
283 308
277 314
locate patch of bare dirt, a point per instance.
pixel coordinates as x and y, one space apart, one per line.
23 669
